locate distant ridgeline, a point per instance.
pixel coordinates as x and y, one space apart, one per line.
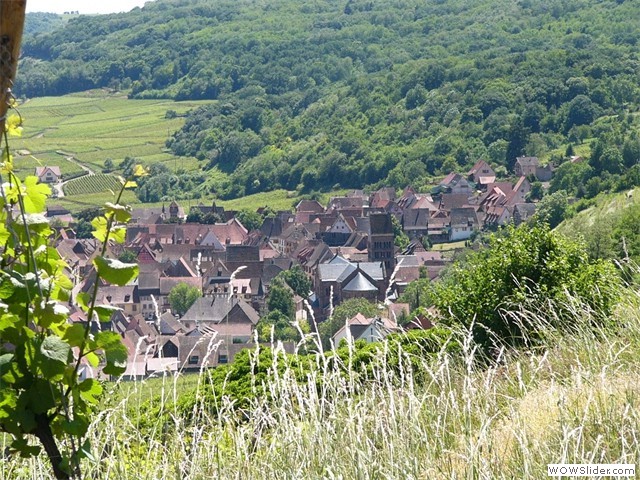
325 93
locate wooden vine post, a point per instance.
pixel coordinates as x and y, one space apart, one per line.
11 27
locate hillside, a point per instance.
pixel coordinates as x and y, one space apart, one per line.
610 226
440 417
356 93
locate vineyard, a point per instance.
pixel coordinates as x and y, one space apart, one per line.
92 184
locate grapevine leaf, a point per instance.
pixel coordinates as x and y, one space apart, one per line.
20 445
140 171
8 402
114 271
6 288
14 126
121 213
93 359
85 451
50 313
55 349
5 362
105 312
76 427
35 195
100 228
90 390
4 232
118 234
115 352
74 335
84 300
39 397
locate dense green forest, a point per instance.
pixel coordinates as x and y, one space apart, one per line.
318 94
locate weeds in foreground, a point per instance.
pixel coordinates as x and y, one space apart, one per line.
575 401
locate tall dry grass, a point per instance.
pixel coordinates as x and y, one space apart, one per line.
575 399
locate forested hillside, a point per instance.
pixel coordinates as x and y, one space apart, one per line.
317 94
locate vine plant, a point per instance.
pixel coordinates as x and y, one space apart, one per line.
41 351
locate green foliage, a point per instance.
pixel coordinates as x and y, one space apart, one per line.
298 280
522 265
400 238
278 323
280 299
182 297
128 256
418 293
343 312
246 379
302 97
250 220
276 326
41 351
552 209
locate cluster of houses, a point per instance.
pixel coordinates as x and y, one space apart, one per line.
346 247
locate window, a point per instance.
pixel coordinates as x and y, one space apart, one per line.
194 359
222 358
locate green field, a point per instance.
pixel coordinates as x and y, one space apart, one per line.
94 126
87 128
90 184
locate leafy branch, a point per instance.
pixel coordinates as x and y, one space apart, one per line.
41 351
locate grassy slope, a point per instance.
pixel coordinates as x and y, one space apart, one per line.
578 401
96 125
606 204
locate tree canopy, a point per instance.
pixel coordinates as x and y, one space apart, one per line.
522 266
182 297
311 95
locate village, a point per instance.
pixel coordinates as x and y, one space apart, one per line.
347 248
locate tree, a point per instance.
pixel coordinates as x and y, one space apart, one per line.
418 293
524 265
552 209
182 297
83 229
298 280
128 256
343 312
581 111
109 166
631 152
280 298
281 326
400 238
250 220
518 138
537 191
195 215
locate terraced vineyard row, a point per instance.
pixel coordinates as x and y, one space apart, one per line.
92 184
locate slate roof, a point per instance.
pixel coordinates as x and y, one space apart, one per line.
449 201
415 219
359 283
338 269
216 308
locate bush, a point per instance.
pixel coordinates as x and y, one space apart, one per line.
532 266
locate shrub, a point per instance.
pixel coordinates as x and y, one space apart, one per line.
522 265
